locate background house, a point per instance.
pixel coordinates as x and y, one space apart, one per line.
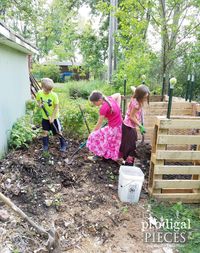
72 70
14 80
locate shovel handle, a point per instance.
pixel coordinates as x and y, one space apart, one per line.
52 124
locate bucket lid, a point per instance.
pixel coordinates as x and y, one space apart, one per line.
131 172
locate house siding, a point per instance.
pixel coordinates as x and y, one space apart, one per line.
14 90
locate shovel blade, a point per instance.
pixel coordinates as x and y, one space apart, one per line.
68 161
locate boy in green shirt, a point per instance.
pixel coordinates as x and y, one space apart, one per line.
49 99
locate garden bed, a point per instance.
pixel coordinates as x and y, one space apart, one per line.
80 198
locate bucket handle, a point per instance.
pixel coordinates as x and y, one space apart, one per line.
129 184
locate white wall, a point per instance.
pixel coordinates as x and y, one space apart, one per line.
14 90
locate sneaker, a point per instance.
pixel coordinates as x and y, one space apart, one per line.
94 158
120 161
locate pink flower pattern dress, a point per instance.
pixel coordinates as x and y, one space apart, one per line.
106 141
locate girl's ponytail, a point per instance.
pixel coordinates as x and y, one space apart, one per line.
96 95
108 102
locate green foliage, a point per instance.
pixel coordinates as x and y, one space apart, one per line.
16 251
22 16
46 154
34 111
51 71
77 93
180 212
22 133
72 119
93 49
58 33
84 88
70 114
189 65
30 105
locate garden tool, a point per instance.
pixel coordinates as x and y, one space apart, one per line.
69 161
124 105
84 118
142 123
52 234
83 144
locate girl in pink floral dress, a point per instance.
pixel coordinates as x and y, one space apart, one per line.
132 120
105 142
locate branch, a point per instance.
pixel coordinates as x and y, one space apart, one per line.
149 14
177 55
188 33
172 10
53 242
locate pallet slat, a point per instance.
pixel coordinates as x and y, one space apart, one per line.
180 124
177 155
178 170
177 184
179 139
175 197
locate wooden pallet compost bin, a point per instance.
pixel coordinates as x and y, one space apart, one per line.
175 160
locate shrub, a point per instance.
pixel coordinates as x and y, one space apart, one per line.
72 119
34 111
78 93
51 71
22 133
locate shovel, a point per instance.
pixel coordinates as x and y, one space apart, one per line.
52 235
69 161
142 122
52 124
84 118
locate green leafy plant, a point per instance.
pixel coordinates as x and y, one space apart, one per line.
15 251
22 133
182 213
34 111
124 209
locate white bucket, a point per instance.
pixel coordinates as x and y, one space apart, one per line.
130 183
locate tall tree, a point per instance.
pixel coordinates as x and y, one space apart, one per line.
92 50
176 22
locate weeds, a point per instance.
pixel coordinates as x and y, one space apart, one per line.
22 133
181 213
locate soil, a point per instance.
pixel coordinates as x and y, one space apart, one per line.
80 199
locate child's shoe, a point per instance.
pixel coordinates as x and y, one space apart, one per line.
94 158
129 161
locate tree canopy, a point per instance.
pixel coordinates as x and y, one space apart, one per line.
154 37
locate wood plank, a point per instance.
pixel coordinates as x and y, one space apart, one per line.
179 139
180 123
177 190
177 184
178 155
165 105
161 147
175 197
153 158
173 113
178 170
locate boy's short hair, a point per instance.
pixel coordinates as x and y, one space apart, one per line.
47 83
